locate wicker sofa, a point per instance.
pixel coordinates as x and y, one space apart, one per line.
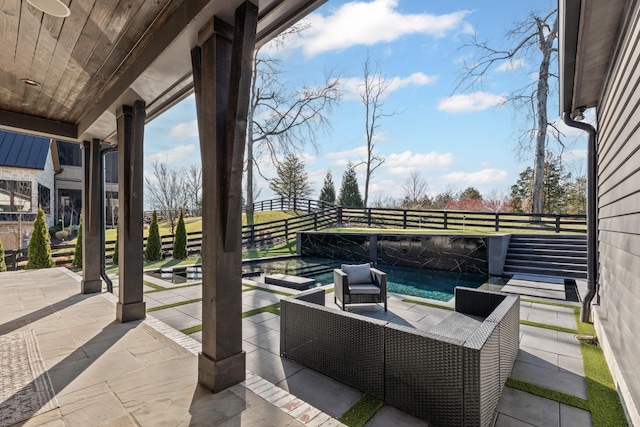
452 374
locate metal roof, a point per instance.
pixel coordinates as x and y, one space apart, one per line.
23 151
589 32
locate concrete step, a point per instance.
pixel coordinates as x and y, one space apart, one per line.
546 259
546 272
550 263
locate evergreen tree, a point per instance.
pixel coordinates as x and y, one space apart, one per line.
153 252
349 192
3 265
180 239
77 255
114 259
292 180
40 244
328 192
555 189
470 193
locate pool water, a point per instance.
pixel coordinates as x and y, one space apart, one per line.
433 284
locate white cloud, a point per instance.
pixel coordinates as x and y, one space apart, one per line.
184 129
341 158
352 87
485 176
476 101
511 65
385 23
175 155
401 163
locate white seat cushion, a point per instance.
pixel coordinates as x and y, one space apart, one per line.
368 288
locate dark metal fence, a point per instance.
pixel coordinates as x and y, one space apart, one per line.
318 215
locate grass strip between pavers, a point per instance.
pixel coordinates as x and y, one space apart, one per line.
551 327
362 411
548 393
259 288
174 287
175 304
273 308
428 304
156 288
604 402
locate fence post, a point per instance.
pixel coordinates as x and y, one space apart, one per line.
340 215
497 228
309 204
557 223
404 219
445 220
295 204
252 236
271 204
286 230
315 221
282 203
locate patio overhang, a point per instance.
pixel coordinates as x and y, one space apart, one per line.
588 36
64 78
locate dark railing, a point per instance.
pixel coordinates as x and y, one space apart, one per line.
318 215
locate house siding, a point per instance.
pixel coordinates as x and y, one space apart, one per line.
618 185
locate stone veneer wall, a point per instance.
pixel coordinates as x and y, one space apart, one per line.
468 254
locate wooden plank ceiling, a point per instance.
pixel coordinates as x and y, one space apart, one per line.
107 52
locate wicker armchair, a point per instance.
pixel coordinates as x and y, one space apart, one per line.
357 284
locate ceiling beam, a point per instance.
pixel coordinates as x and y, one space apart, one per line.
17 122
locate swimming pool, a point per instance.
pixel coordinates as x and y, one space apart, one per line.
433 284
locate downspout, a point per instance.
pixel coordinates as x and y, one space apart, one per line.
592 217
103 242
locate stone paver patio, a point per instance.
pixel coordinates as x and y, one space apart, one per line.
144 373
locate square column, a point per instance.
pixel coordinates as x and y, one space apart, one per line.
130 181
92 251
222 77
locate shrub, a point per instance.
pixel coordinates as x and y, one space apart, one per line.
180 239
40 244
3 265
53 230
77 255
62 234
153 252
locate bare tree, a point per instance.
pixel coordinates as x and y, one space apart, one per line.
534 39
166 192
282 119
193 184
373 88
414 190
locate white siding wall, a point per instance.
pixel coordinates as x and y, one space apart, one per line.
619 212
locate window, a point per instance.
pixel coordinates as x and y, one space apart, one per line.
69 153
44 198
15 196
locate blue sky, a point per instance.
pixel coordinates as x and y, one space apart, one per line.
455 140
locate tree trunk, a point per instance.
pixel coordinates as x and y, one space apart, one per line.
546 48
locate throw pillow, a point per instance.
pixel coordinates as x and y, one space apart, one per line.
357 274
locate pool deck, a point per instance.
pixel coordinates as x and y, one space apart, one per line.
144 373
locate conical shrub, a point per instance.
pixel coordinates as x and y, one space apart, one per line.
153 252
3 264
180 240
40 244
77 255
114 259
